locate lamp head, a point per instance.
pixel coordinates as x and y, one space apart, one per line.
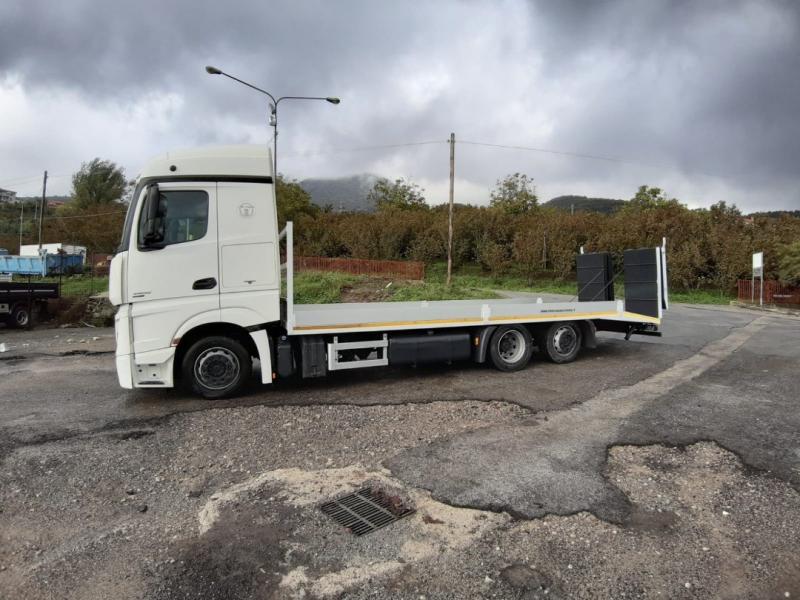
333 100
213 70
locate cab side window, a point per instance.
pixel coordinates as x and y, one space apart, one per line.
182 217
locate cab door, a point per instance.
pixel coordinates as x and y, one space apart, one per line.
174 276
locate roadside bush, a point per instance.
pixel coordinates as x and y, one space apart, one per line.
707 248
790 263
493 256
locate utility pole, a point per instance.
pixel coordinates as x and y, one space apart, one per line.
21 215
41 211
544 251
450 214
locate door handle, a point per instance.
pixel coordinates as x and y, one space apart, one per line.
209 283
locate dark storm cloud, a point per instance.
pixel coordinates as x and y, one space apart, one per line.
708 88
114 48
714 85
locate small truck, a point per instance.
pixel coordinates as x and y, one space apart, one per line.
21 300
24 298
203 296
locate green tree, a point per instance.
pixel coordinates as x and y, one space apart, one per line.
292 201
789 263
397 195
98 182
514 194
650 198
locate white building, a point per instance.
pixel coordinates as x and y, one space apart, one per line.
7 196
33 249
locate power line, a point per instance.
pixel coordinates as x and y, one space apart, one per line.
473 143
30 178
365 148
20 180
567 153
615 159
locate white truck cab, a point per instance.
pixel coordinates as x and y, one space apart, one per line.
197 279
198 259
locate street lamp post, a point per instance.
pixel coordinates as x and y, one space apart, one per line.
273 116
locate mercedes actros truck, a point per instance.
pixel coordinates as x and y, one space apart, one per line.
198 283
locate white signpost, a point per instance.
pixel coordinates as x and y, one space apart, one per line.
758 271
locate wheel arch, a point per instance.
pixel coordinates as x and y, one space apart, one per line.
231 330
480 339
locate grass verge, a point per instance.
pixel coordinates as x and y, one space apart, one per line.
434 290
701 297
469 282
471 276
74 286
318 287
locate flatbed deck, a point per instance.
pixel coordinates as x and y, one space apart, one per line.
365 317
387 316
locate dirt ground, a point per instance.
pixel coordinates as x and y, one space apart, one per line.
655 468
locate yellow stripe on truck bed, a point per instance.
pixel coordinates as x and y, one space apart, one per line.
472 321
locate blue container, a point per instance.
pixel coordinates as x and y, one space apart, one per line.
48 264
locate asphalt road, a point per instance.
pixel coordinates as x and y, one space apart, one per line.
652 468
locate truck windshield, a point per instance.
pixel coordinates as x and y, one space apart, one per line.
126 230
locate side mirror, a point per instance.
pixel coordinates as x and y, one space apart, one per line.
152 234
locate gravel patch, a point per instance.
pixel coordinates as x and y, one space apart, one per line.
703 527
111 516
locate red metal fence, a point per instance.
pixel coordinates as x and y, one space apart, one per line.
775 292
358 266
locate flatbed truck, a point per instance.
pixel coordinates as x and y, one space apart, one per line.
198 282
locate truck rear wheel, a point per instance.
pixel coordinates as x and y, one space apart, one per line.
560 342
511 347
20 316
216 367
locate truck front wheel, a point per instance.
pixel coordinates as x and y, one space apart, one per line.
511 347
216 367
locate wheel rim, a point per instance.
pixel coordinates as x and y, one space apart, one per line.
511 346
22 318
565 340
216 368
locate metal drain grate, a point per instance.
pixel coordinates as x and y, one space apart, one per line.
366 510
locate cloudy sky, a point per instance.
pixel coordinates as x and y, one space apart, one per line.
699 98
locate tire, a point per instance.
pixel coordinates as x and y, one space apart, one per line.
20 317
511 347
560 342
216 367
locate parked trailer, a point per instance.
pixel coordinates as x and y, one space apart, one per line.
197 280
